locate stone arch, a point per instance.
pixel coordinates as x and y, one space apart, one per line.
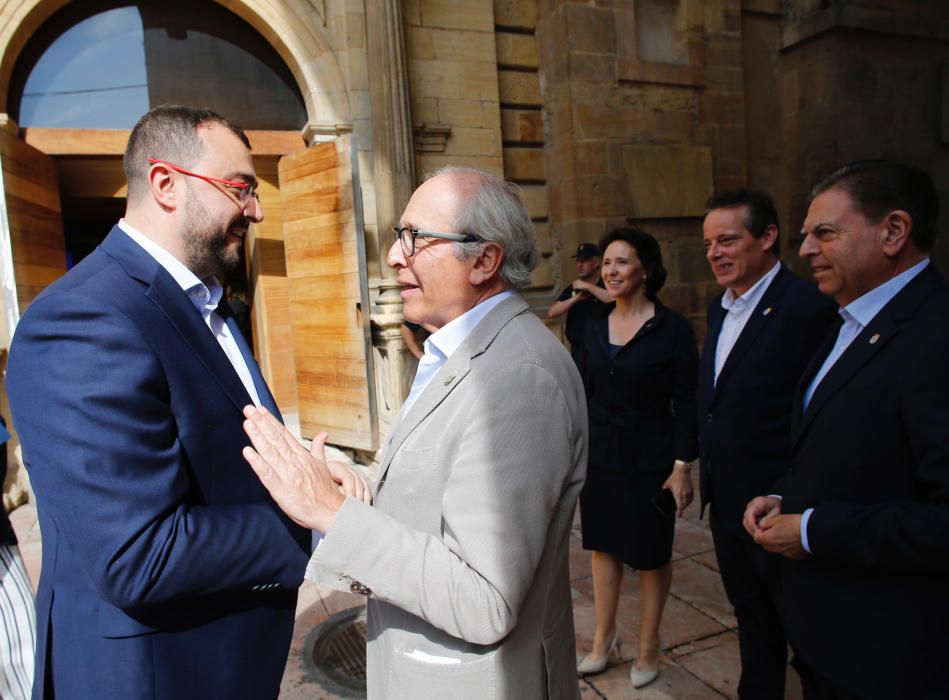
293 27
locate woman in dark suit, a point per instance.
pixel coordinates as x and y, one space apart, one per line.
639 368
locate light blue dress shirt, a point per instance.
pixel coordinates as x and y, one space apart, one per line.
857 315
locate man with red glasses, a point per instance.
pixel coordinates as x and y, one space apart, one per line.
167 571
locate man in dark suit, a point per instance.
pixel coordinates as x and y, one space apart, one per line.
168 572
862 518
762 331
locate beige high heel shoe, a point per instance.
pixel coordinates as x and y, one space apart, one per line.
588 666
642 678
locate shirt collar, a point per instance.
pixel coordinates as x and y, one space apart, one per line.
752 295
205 295
864 309
449 337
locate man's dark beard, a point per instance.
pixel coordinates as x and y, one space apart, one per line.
207 251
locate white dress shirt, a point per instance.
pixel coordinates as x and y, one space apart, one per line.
857 316
442 343
205 295
739 310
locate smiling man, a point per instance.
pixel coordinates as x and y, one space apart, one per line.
863 518
463 556
167 570
762 331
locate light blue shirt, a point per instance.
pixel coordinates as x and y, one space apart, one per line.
440 345
205 295
857 316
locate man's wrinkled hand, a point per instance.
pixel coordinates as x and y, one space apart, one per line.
302 484
757 510
781 534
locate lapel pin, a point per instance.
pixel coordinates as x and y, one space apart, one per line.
449 379
874 338
766 311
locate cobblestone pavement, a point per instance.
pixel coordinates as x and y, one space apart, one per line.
700 648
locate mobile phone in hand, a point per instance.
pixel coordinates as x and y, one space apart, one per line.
665 503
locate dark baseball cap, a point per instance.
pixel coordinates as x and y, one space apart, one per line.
585 251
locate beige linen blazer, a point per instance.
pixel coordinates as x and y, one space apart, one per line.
463 555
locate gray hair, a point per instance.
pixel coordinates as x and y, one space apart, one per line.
496 213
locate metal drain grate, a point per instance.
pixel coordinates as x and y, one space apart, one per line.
336 649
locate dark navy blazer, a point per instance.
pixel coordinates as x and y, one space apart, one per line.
167 572
745 418
869 610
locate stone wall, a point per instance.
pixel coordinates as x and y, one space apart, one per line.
644 112
860 80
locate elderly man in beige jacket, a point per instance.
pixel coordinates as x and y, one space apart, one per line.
463 555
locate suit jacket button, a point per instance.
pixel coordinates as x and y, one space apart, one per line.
708 418
358 588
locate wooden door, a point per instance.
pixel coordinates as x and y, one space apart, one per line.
32 217
329 296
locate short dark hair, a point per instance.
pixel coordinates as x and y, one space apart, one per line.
761 211
649 252
169 133
878 187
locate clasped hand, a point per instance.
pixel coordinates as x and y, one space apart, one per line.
775 532
307 488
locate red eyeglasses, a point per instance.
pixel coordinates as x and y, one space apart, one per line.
244 190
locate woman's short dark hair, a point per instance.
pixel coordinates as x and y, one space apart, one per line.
649 252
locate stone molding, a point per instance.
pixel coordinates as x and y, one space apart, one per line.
431 138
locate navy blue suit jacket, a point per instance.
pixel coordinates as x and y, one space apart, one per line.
167 570
869 610
745 418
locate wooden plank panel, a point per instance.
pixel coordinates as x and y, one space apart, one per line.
273 335
329 300
92 177
112 142
33 214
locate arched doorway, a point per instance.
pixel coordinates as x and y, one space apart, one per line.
91 69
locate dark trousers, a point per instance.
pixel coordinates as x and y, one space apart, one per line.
749 575
817 687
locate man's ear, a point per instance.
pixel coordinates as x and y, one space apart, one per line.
161 183
486 264
768 238
897 226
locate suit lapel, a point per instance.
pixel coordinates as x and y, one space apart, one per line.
872 339
705 391
449 377
172 301
760 317
812 368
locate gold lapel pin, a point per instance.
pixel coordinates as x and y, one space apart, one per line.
874 338
766 311
449 379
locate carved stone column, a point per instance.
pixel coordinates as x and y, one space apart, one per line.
394 178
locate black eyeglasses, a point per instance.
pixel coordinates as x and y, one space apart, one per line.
406 237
